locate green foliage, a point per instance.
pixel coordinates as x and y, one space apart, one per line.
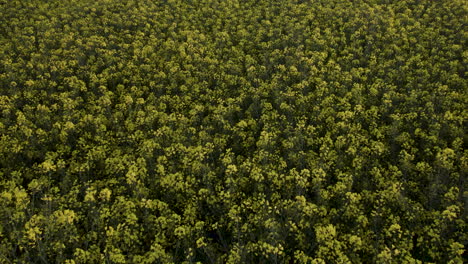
215 131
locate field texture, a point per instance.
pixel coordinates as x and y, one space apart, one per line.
233 131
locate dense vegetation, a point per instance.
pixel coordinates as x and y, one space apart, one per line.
233 131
